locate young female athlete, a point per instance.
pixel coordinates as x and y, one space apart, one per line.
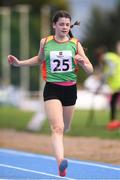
59 55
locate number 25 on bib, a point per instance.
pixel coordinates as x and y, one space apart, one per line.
61 61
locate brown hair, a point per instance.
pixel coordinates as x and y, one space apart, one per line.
62 13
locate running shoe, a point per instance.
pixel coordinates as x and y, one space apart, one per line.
113 125
63 167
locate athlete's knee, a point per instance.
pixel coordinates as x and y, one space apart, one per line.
58 129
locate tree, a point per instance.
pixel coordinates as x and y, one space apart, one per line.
103 29
61 4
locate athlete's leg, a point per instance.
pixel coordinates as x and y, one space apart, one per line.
54 112
113 105
67 116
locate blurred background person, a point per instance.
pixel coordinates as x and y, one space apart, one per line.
94 83
112 76
109 64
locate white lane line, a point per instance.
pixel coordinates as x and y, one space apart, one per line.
95 165
33 171
111 167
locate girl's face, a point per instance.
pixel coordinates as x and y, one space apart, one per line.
62 27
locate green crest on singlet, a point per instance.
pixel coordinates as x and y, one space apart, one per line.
59 57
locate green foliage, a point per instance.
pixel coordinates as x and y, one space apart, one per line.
103 29
15 38
81 76
61 4
0 52
34 38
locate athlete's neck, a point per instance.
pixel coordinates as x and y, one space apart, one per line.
61 39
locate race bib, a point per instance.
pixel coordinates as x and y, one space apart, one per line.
61 61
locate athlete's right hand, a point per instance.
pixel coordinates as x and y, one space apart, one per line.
12 60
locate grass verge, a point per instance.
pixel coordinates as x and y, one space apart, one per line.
82 123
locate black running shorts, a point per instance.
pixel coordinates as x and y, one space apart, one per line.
66 94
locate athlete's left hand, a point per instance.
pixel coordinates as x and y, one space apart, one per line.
79 59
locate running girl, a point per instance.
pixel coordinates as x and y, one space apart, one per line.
59 55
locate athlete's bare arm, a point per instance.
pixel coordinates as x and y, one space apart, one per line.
36 60
83 60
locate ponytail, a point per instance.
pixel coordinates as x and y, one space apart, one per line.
77 23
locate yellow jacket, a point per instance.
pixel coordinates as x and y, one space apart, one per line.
112 70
